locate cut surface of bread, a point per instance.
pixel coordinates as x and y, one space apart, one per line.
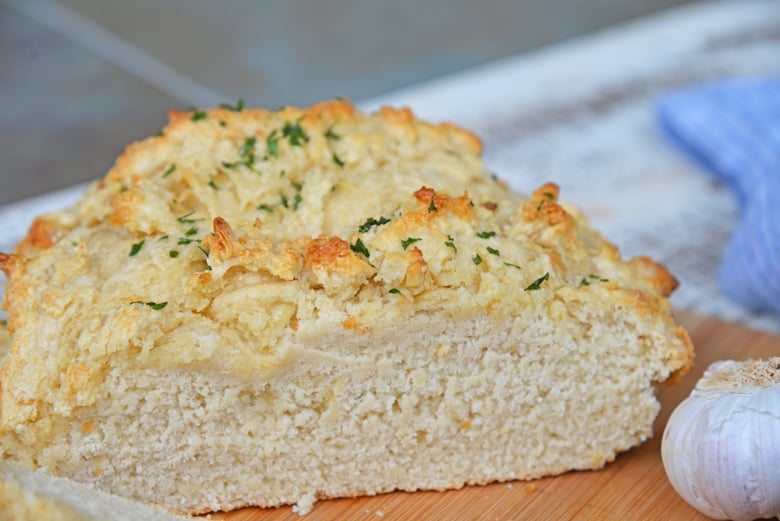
266 308
35 496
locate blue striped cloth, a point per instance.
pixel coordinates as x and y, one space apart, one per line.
732 129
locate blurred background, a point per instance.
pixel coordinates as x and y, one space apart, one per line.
79 79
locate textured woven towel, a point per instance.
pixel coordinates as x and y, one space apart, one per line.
733 130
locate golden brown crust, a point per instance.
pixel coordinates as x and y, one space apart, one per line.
277 209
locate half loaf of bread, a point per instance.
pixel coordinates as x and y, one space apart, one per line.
266 308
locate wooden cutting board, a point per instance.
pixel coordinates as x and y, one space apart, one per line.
634 487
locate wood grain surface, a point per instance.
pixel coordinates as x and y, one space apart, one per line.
633 487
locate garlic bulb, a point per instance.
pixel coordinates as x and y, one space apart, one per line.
721 447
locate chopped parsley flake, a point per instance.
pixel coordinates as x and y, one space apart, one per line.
247 147
198 115
213 185
157 306
450 243
512 265
359 247
185 240
477 259
297 201
409 240
192 231
337 160
493 251
186 218
298 186
432 206
586 282
284 201
486 235
247 156
295 133
331 135
238 107
170 170
395 291
272 144
173 254
538 282
135 248
371 222
266 207
549 197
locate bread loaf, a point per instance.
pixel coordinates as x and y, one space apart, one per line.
266 308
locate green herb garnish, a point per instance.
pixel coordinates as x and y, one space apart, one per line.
538 282
493 251
198 115
298 186
272 143
297 201
512 265
409 240
213 185
170 170
359 247
331 135
284 201
246 148
450 243
135 248
185 219
432 206
185 240
549 196
586 282
477 259
247 156
395 291
370 222
295 133
337 160
173 254
486 235
266 207
192 231
157 306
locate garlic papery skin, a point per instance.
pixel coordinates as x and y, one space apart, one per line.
721 446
